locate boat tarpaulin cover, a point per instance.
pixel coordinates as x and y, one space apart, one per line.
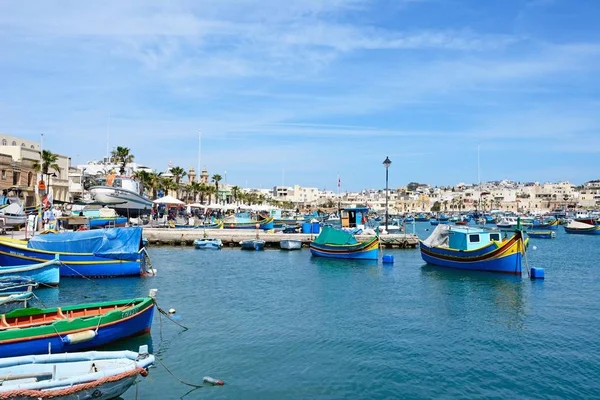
115 243
334 236
440 237
579 225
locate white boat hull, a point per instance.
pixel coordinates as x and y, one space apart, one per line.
290 244
123 201
13 220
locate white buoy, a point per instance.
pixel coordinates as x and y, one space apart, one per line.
534 247
152 293
172 311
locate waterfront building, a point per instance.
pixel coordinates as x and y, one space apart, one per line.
18 158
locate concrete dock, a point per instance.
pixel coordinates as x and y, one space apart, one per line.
232 237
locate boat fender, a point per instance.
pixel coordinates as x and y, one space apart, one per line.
79 337
213 381
172 311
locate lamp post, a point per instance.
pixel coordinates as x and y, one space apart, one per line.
386 163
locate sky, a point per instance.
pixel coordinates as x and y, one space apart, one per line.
299 92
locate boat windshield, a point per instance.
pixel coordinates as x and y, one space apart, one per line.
126 183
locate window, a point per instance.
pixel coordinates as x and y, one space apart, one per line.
495 236
22 144
16 178
3 174
473 238
14 143
4 142
32 146
30 179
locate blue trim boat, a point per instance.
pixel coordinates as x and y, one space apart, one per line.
541 234
253 244
422 218
94 253
208 244
44 273
107 222
80 375
337 243
15 284
545 224
582 229
11 301
473 249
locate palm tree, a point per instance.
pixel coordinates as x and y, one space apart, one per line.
168 184
235 192
47 161
155 183
178 173
210 190
216 178
194 189
121 156
145 179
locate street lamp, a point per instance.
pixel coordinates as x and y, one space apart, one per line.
386 163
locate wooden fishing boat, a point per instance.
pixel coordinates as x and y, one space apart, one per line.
208 244
16 284
264 224
337 243
253 244
107 222
290 244
463 222
73 328
94 253
43 272
541 234
541 225
575 227
422 218
82 375
11 301
473 249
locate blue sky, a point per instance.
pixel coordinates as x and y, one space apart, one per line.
300 91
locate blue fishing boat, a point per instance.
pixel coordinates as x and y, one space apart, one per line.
43 272
422 218
337 243
409 220
473 249
541 234
12 301
434 221
107 222
545 224
208 244
443 218
580 228
253 244
16 284
94 253
73 328
80 375
245 221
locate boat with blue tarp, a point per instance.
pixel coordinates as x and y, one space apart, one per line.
92 253
473 249
337 243
15 283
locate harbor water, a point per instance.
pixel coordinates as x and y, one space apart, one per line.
284 325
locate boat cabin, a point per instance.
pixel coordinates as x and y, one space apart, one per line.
354 217
471 239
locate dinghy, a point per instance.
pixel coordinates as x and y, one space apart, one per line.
44 273
84 375
208 244
253 244
290 244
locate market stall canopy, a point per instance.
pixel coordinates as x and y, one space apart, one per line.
196 205
168 200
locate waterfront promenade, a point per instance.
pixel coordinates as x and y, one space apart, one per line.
232 237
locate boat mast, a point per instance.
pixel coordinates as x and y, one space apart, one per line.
108 140
199 153
478 180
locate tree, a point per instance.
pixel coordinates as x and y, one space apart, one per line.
436 207
155 183
195 188
445 205
235 192
178 173
121 156
216 178
47 161
168 184
145 179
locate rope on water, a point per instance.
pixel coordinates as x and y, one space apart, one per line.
174 376
78 273
160 310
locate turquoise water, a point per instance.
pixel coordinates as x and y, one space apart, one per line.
278 325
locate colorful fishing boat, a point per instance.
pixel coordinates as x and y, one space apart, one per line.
575 227
434 221
422 218
107 222
253 244
73 328
93 253
243 221
473 249
337 243
545 224
541 234
208 244
43 272
82 375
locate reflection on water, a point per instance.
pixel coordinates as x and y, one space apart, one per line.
334 263
503 293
